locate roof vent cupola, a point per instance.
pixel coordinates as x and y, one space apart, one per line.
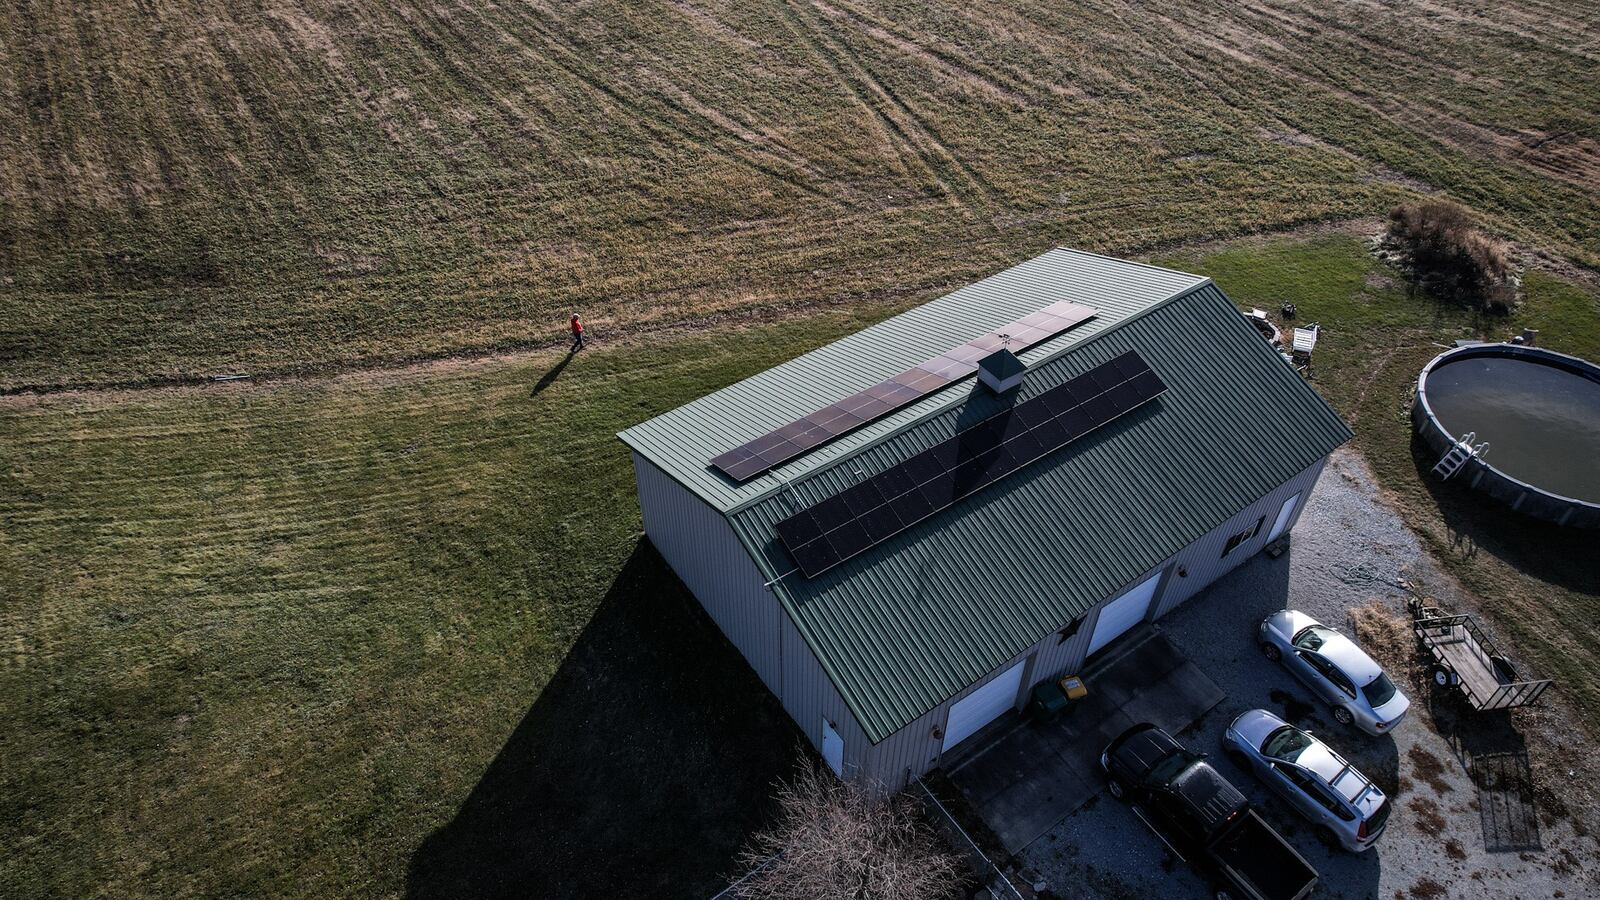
1001 371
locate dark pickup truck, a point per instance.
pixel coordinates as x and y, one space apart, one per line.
1203 818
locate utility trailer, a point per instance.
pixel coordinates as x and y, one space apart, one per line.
1465 657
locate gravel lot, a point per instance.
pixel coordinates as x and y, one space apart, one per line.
1348 549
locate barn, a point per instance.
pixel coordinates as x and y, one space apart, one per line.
905 530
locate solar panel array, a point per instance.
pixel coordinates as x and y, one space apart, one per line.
776 447
832 531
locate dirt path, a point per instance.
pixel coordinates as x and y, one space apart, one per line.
634 335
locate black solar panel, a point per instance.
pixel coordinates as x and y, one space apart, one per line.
830 532
745 462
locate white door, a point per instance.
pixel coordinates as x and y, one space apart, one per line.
983 706
832 748
1284 515
1123 613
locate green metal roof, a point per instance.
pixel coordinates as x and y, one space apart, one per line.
909 623
683 441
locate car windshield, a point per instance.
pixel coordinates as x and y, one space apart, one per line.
1169 767
1287 743
1379 690
1313 637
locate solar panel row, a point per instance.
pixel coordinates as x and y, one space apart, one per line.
776 447
832 531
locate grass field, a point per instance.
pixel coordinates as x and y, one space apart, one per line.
1538 583
380 630
200 187
269 640
396 632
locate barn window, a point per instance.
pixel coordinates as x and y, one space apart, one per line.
1244 535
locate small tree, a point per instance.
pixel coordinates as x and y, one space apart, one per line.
835 840
1448 255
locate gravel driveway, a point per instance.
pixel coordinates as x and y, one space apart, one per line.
1347 549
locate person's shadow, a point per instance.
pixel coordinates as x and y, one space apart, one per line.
550 377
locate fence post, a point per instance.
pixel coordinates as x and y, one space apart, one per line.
995 879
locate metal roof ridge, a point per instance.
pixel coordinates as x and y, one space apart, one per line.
944 401
1125 261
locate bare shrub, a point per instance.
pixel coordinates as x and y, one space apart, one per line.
1449 257
835 839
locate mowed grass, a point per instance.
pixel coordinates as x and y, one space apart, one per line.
370 635
397 633
203 187
1538 584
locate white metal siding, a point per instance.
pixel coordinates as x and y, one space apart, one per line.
1203 560
700 546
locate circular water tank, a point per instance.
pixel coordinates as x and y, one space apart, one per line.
1538 410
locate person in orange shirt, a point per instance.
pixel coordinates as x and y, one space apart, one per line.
577 335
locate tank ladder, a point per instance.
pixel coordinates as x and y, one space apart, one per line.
1458 454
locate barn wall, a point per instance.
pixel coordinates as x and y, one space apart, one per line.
913 749
809 697
1203 559
700 546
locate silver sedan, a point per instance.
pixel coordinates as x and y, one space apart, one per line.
1340 672
1344 805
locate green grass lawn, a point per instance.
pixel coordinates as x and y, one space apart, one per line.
397 633
390 633
1538 583
269 640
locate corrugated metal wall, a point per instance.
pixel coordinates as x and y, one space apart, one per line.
1204 560
810 697
913 750
700 546
702 549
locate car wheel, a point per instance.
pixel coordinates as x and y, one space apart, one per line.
1272 652
1115 787
1343 716
1239 759
1440 674
1327 837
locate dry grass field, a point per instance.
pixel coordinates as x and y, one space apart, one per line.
201 186
372 630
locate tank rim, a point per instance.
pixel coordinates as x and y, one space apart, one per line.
1575 364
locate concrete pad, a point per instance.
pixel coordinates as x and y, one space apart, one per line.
1177 700
1038 773
1009 761
1027 809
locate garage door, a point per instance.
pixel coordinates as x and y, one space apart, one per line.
982 706
1123 613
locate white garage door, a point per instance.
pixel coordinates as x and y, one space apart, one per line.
1123 613
982 706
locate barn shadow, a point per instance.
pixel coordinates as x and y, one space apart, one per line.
640 770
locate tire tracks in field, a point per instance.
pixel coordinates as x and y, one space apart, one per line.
680 121
906 130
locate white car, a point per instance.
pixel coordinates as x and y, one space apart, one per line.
1340 672
1346 807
